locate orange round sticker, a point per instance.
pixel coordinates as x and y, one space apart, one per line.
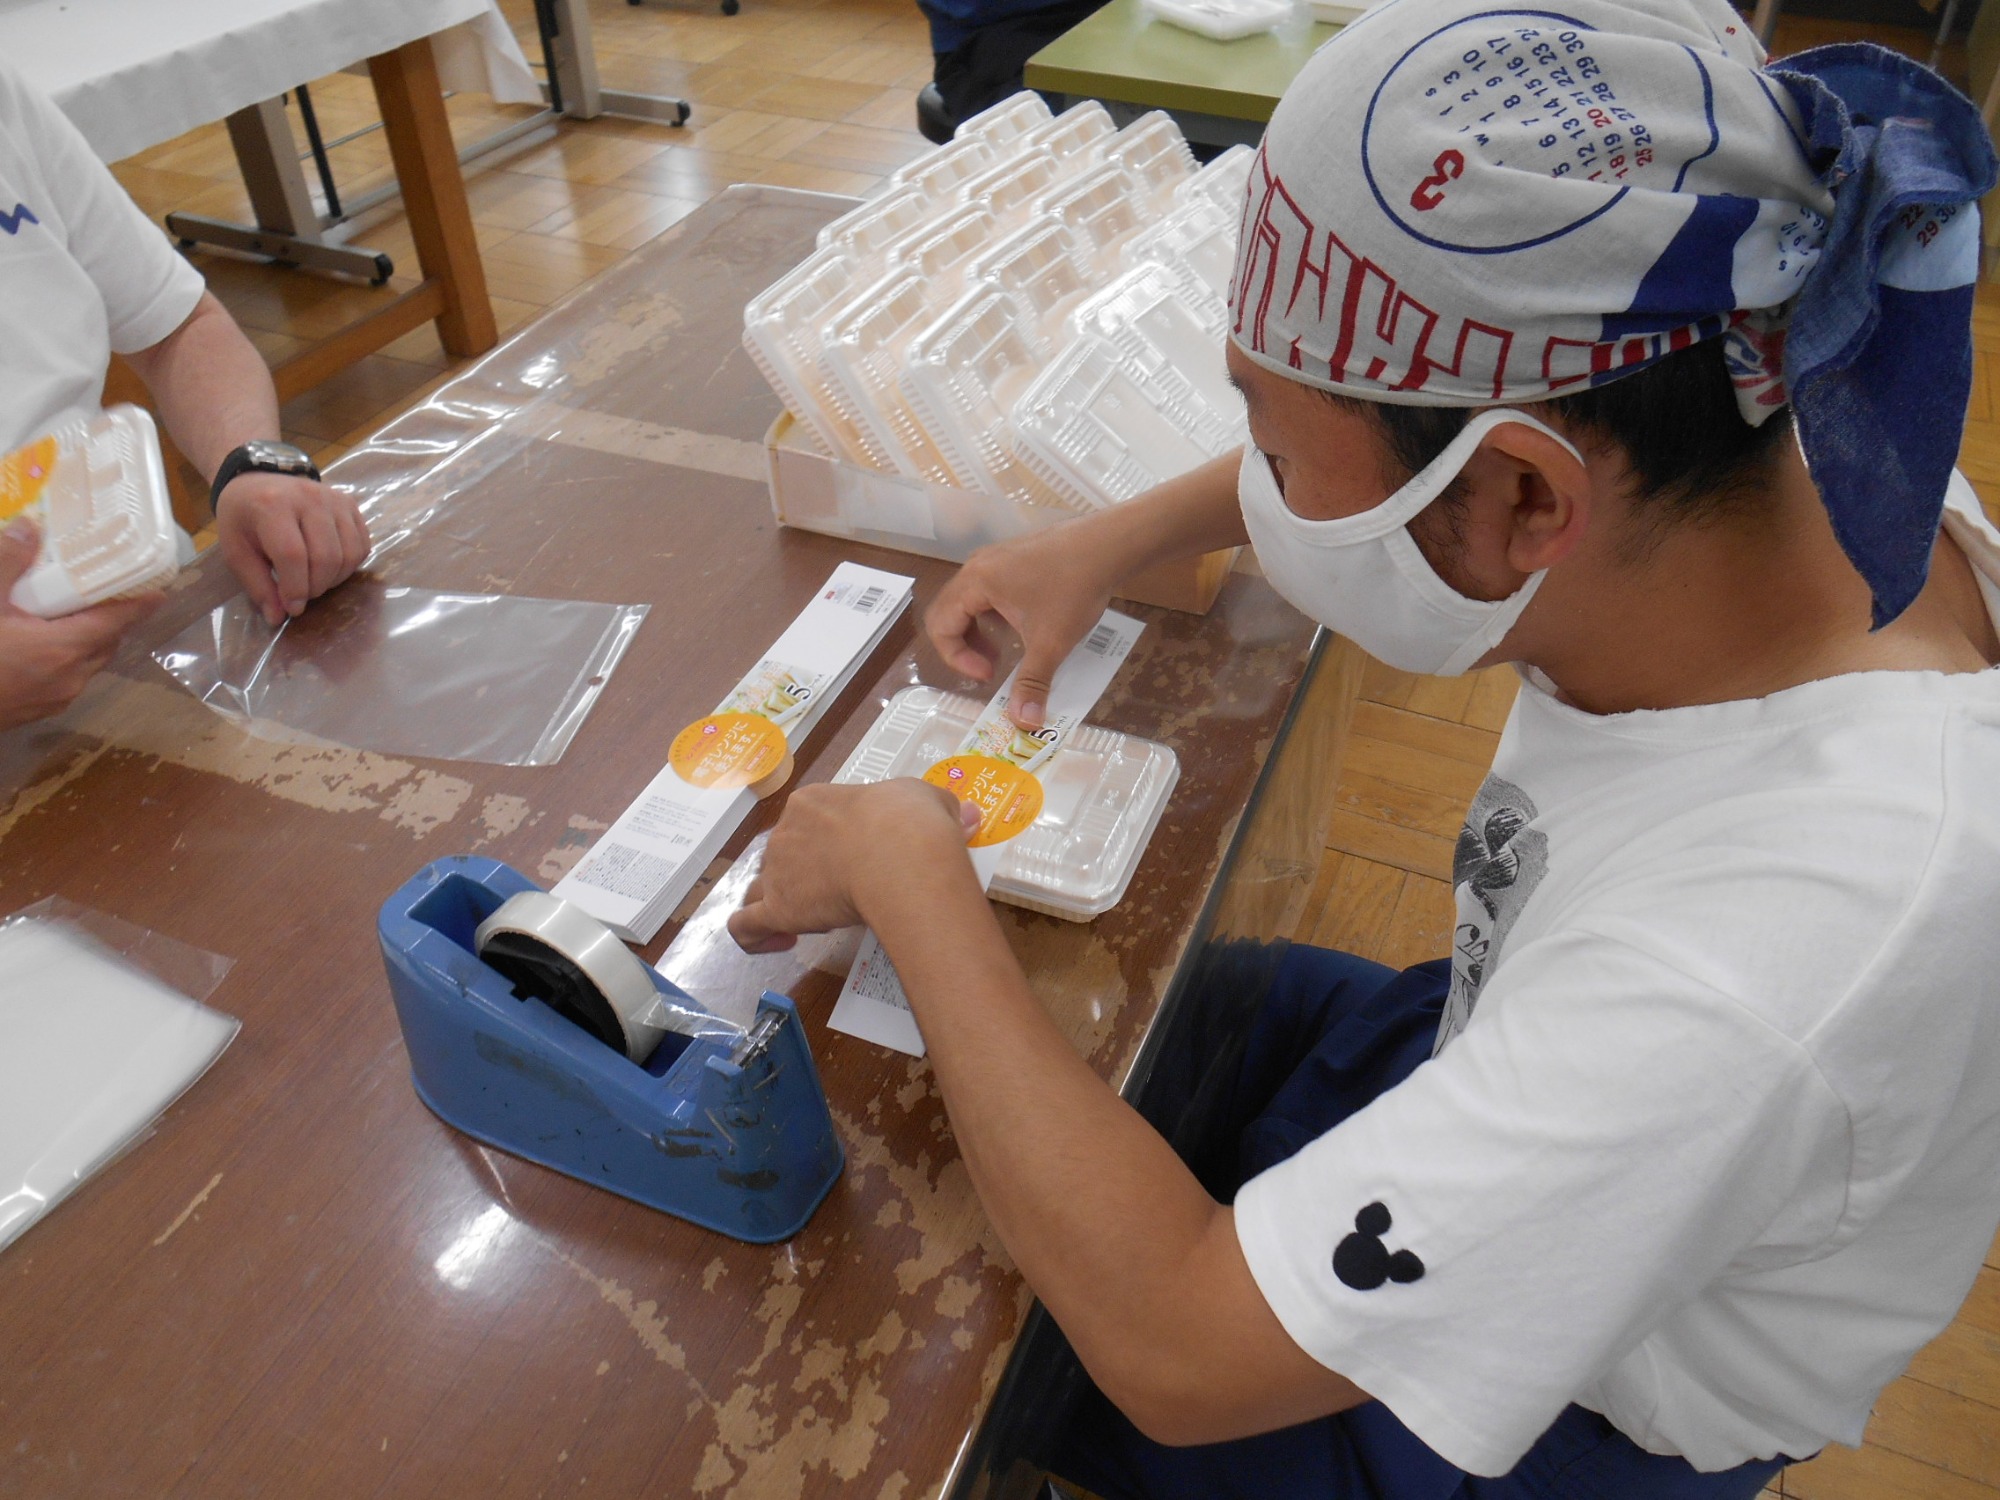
22 475
727 750
1009 799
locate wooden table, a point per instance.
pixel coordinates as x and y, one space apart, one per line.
1221 93
303 1284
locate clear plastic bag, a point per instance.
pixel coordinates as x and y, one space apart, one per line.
703 958
410 671
101 1029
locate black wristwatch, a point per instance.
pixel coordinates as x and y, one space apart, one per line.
264 458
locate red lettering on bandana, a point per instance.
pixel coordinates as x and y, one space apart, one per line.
1380 330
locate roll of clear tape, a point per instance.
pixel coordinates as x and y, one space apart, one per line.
561 955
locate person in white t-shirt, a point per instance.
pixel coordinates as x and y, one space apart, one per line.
1586 342
83 273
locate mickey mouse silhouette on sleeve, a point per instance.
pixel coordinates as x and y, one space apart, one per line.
1363 1262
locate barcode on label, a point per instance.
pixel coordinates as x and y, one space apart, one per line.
869 601
1100 640
625 871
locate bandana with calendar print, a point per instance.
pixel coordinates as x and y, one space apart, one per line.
1459 204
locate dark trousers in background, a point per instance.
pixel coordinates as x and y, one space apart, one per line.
981 50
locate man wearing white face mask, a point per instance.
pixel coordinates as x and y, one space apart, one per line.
1588 343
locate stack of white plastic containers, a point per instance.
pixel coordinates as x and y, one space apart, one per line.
1034 312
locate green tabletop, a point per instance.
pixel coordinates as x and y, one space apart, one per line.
1120 54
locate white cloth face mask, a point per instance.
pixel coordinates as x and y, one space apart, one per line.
1364 576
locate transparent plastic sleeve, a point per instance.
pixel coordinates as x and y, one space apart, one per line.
410 671
101 1029
703 958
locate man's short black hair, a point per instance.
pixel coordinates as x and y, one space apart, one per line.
1692 455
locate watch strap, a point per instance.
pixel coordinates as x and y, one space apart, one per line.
241 460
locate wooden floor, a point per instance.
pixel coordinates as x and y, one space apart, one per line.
820 94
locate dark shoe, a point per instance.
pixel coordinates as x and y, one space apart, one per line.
935 125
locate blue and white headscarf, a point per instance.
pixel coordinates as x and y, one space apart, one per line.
1462 204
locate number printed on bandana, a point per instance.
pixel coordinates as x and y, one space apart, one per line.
1430 192
1541 88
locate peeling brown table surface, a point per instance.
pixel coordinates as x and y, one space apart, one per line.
304 1284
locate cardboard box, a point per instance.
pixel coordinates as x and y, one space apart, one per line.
816 492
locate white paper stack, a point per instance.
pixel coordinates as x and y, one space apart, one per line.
644 864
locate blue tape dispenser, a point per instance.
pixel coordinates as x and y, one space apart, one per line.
532 1028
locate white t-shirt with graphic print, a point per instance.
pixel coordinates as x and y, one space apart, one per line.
82 270
1711 1142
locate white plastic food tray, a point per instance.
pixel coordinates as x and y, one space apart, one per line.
1224 20
1103 795
1096 428
783 328
106 515
1170 328
863 355
962 376
1221 182
1199 236
1002 124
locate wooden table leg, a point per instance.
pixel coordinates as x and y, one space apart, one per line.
420 144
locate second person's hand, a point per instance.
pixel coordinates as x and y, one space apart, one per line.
288 539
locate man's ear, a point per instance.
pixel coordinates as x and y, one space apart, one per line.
1550 490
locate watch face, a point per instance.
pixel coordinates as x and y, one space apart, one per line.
282 457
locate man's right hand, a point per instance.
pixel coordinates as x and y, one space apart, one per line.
1052 586
44 664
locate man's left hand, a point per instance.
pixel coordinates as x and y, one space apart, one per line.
288 539
834 840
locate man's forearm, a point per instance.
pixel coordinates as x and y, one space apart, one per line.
211 386
1090 1201
1132 1257
1193 513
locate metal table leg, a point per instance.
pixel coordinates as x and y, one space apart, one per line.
288 226
573 60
